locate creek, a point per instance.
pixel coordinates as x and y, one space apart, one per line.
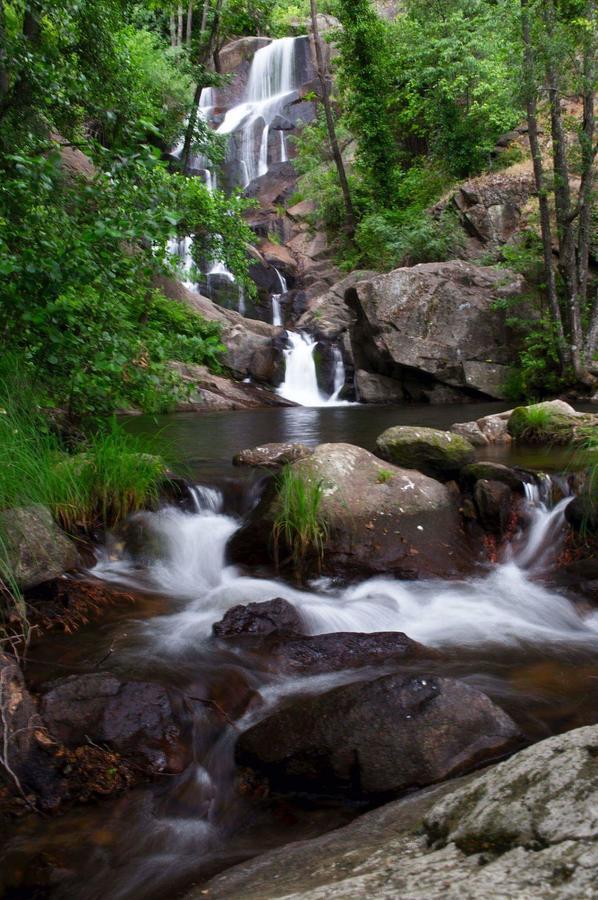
505 630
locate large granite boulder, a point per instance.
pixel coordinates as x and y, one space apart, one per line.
439 454
36 549
378 517
439 320
377 737
525 828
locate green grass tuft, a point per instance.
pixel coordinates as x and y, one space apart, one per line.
299 523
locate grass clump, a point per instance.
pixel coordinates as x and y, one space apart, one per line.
299 524
384 476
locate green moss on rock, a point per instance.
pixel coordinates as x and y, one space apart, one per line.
439 454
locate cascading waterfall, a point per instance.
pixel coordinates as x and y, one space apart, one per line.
506 607
269 89
301 382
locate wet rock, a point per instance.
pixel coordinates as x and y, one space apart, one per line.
276 616
494 472
318 654
373 388
538 809
439 454
377 737
132 717
379 518
328 315
493 500
582 513
272 456
36 548
441 320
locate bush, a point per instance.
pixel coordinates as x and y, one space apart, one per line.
385 241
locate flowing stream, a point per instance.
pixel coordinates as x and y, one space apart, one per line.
505 630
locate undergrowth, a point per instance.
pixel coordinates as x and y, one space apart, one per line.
299 523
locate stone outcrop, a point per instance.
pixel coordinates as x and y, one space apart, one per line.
272 456
439 321
490 208
377 737
328 316
36 548
371 388
379 518
439 454
212 392
525 828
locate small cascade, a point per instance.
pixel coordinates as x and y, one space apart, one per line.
283 147
339 372
276 298
301 382
206 499
542 540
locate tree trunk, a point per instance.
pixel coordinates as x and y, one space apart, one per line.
207 53
545 227
562 193
172 29
204 15
180 25
189 22
336 153
584 233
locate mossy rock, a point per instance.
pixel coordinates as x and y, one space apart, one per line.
491 471
550 423
439 454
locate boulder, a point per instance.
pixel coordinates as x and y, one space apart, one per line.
490 208
493 472
551 422
525 828
377 737
322 653
132 717
272 456
378 517
439 454
328 315
371 388
438 319
276 616
490 429
36 549
493 500
209 391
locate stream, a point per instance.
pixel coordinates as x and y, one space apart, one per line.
506 631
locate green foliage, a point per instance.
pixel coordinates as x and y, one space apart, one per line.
384 476
299 524
83 252
387 241
111 475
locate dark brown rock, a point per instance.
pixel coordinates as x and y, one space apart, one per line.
132 717
317 654
276 616
493 472
377 737
493 501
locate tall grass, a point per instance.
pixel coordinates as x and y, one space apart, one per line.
299 523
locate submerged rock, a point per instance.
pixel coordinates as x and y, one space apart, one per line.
525 828
439 454
36 548
377 737
272 456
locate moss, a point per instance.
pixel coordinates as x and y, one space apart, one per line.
540 425
439 454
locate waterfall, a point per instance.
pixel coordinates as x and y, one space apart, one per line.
339 372
269 88
301 382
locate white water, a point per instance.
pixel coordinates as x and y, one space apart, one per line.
300 381
270 87
508 606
